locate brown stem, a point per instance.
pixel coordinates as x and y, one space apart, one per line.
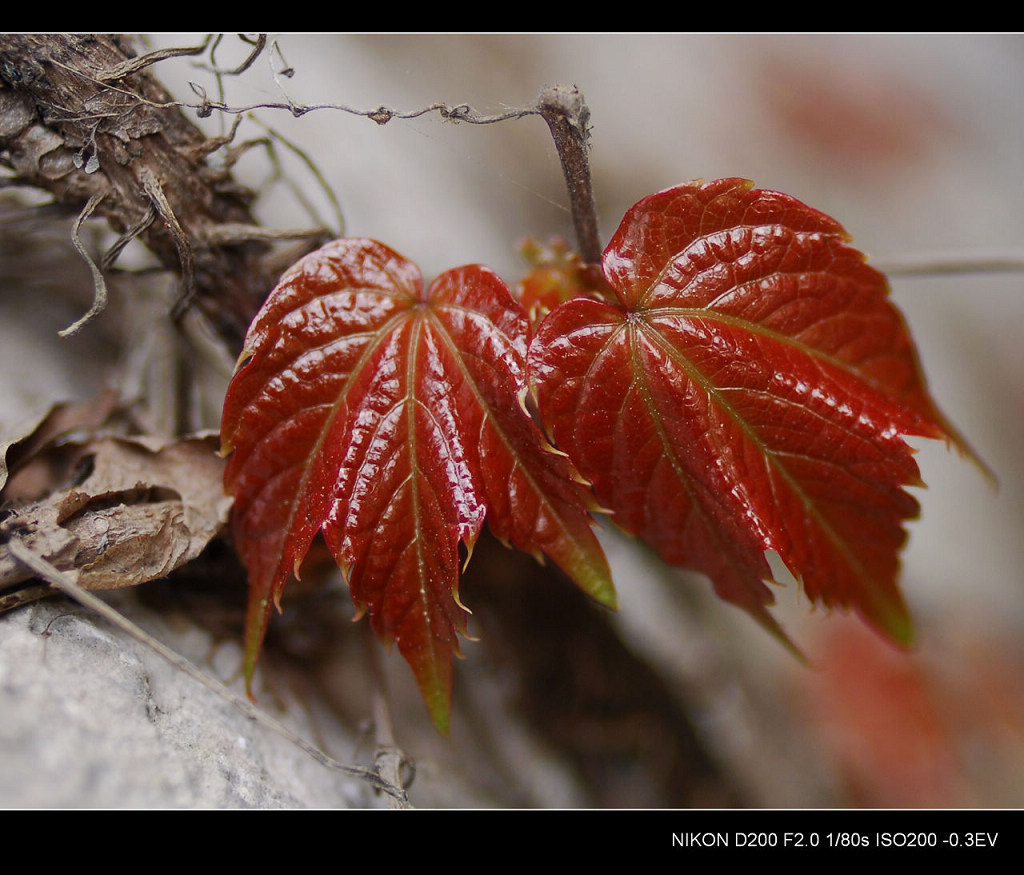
568 118
388 758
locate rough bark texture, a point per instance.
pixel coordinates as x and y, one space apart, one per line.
72 123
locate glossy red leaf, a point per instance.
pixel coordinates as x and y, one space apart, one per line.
747 392
390 419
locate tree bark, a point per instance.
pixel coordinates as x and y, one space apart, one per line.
77 123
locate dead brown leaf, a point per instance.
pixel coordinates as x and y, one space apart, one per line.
144 509
24 445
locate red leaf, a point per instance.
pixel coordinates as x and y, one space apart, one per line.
747 392
391 420
557 275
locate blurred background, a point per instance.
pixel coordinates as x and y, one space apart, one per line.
916 145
